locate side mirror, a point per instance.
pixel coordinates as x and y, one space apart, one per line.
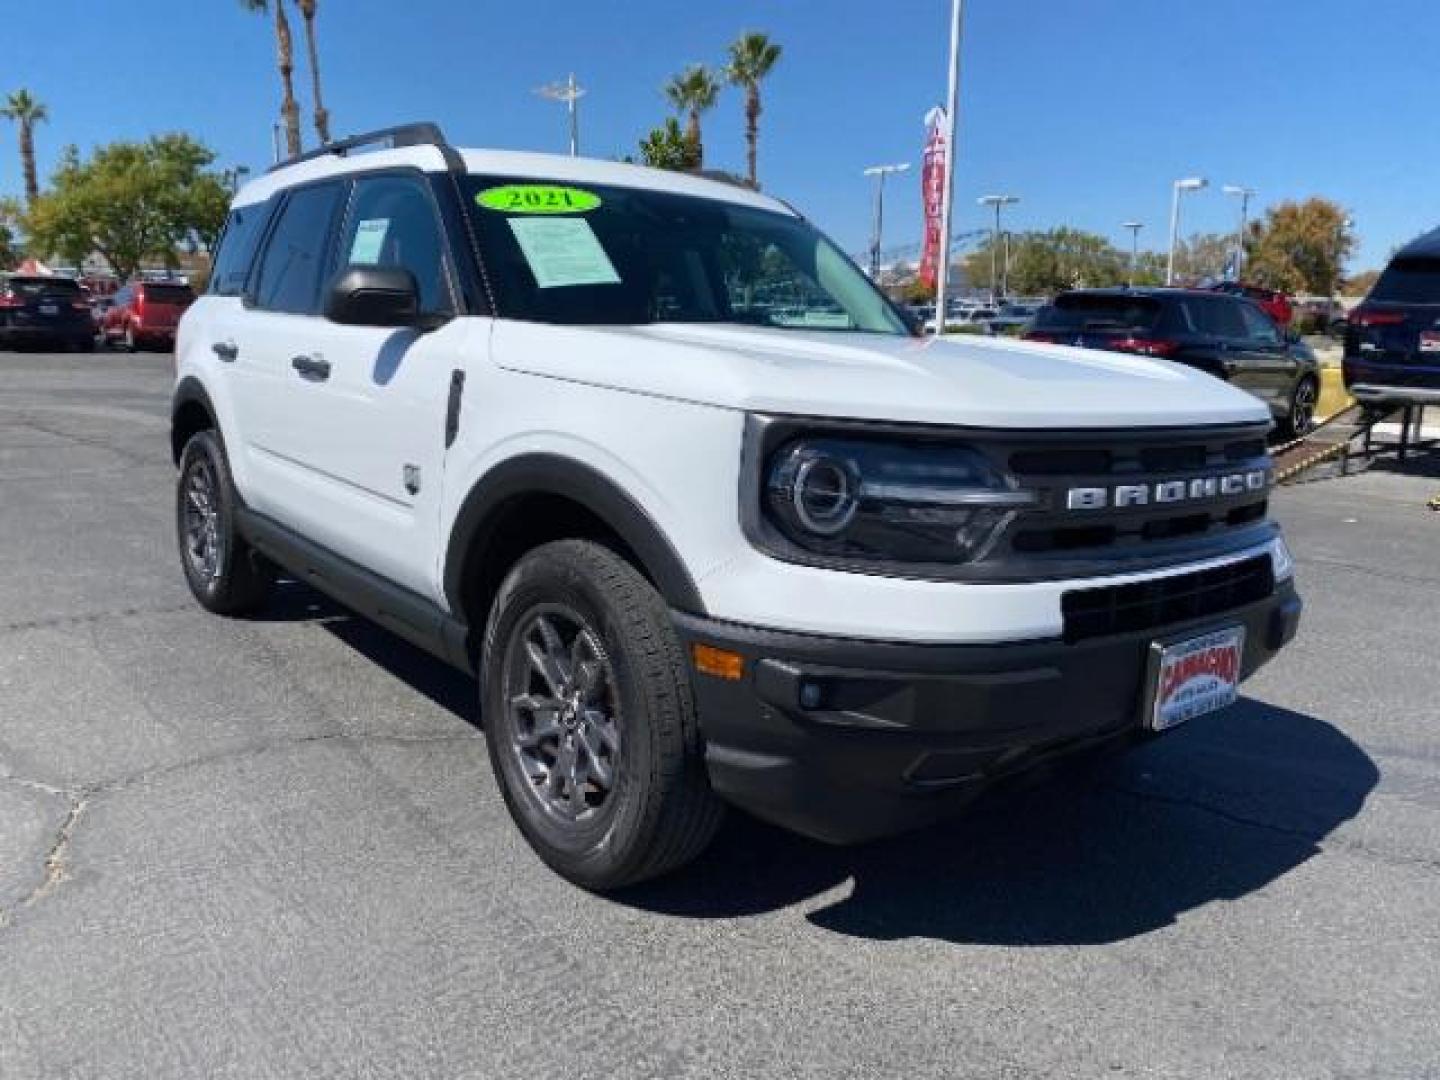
374 296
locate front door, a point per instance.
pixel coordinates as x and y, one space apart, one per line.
371 418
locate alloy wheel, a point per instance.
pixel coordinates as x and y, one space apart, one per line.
563 712
204 543
1302 407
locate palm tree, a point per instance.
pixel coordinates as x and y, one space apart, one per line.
322 114
693 92
285 52
22 107
752 55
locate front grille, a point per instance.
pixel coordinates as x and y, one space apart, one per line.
1054 531
1160 602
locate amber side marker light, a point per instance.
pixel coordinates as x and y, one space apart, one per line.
721 663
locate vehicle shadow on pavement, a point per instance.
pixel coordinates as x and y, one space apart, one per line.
442 684
1099 852
1211 812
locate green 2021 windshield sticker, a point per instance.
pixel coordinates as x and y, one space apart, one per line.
537 199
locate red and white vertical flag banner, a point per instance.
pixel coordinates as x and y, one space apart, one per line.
932 190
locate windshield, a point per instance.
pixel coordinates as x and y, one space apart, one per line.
594 254
1409 279
1081 311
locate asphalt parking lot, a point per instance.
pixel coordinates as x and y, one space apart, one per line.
273 848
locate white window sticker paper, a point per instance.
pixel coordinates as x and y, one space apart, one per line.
368 242
563 251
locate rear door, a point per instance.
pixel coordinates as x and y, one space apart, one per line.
275 401
1276 367
1219 321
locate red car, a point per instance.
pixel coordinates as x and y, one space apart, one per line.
1273 302
146 314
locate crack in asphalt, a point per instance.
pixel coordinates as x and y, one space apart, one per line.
90 618
134 457
57 857
1384 573
1322 842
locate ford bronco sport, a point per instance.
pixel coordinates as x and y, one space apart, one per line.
647 454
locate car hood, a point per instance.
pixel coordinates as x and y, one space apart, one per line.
982 382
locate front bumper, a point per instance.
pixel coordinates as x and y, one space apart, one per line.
1373 393
846 740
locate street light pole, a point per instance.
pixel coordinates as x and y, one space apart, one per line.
1245 193
947 199
1189 183
880 172
569 92
1134 227
998 202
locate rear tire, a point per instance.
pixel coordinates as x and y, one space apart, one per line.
224 573
591 721
1300 420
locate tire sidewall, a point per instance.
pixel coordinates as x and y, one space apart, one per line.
588 851
1295 429
212 592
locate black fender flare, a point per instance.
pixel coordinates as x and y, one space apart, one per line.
189 391
554 474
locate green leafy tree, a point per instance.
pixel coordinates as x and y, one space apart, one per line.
667 147
10 218
752 57
1050 261
1203 256
26 111
322 114
1301 247
285 62
131 201
693 92
1360 284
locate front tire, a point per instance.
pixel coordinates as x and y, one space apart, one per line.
223 572
592 728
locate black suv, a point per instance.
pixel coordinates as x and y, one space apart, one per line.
1392 342
1228 336
46 312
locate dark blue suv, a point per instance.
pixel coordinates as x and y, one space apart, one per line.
1392 342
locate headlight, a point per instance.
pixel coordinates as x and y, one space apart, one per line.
881 501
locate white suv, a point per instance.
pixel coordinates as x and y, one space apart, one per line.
650 456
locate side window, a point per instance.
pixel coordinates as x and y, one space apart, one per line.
1220 317
237 249
391 223
1259 326
295 257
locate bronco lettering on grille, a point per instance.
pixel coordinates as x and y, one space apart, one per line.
1167 491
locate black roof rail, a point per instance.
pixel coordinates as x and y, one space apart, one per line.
721 176
425 133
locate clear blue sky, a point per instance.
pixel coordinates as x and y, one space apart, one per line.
1086 110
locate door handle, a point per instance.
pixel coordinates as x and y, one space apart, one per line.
226 351
315 368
